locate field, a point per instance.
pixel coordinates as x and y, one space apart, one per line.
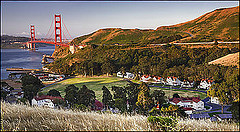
182 93
228 60
96 84
16 117
93 83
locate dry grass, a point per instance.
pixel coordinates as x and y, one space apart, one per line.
228 60
21 117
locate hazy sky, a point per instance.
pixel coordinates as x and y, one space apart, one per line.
86 17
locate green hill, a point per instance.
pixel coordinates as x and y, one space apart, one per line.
221 24
129 36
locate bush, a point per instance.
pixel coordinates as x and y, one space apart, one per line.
163 123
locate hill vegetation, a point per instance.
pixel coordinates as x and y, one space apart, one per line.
129 36
16 117
228 60
221 24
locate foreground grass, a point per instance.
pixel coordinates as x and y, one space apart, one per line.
21 117
93 83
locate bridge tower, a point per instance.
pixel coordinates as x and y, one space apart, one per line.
58 29
32 32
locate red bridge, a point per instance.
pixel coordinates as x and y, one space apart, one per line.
57 31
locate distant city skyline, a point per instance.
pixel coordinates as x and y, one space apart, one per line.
84 17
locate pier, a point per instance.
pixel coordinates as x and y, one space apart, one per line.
21 69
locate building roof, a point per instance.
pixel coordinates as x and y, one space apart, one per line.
185 99
98 105
47 97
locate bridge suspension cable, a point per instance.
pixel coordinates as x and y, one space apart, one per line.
67 30
46 36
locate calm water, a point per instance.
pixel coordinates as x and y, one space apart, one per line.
22 58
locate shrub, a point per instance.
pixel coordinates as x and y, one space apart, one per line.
163 123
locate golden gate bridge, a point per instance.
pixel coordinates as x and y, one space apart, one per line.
58 41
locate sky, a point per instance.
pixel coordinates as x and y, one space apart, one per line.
82 18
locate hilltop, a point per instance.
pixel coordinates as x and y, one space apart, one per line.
221 24
129 36
228 60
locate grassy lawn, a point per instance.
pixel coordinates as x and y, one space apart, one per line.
182 93
93 83
96 84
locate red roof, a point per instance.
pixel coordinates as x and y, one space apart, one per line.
185 108
47 97
184 99
98 105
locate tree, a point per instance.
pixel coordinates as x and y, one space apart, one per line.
31 86
85 96
176 95
222 92
144 100
54 92
71 94
120 98
132 92
108 66
107 99
235 110
158 97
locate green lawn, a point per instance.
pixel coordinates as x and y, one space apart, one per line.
93 83
182 93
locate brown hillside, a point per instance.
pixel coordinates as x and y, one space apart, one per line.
228 60
220 23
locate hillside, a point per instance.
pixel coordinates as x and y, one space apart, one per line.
228 60
129 36
222 24
25 118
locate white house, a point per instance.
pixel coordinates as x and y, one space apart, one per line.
45 100
119 74
145 78
188 102
214 100
126 75
187 84
173 81
158 80
206 84
129 75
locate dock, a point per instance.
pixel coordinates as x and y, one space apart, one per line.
21 69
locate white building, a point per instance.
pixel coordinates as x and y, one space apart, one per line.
145 78
214 100
187 84
126 75
173 81
188 102
44 100
129 75
158 80
205 84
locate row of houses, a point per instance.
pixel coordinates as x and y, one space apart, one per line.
188 103
44 76
174 81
